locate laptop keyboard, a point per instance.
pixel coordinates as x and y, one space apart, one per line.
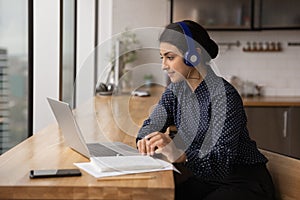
99 150
117 148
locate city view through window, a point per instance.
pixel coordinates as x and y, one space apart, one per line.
13 73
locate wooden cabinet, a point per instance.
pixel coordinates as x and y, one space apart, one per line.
214 14
267 126
239 14
278 14
275 129
294 131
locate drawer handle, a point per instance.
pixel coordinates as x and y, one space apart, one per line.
285 118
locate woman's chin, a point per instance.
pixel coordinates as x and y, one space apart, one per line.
175 79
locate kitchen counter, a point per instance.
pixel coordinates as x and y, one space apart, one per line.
271 101
255 101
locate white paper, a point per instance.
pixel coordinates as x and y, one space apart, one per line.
121 163
93 169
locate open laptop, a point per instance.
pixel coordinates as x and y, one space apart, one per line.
74 138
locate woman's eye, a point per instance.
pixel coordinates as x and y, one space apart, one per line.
167 57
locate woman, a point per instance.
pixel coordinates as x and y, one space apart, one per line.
211 147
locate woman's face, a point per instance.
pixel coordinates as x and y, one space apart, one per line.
172 62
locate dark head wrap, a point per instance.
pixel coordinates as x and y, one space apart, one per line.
199 35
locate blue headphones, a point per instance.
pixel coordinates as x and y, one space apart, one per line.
191 57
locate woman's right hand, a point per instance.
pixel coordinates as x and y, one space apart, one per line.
162 143
152 142
141 145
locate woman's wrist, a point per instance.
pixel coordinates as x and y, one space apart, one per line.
182 159
173 154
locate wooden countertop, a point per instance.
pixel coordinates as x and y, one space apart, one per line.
254 101
47 150
271 101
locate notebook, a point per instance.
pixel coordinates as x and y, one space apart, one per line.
126 163
74 138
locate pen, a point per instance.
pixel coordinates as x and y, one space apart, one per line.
148 137
117 178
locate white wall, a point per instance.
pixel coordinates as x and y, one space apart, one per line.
105 20
46 56
104 35
142 16
85 50
139 14
46 60
278 72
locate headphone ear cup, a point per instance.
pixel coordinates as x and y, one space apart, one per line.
192 58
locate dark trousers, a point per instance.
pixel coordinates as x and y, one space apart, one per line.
245 183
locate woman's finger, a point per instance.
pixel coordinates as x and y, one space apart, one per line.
141 144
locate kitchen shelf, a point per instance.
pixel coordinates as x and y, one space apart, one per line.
242 15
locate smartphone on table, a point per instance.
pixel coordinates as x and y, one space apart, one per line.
48 173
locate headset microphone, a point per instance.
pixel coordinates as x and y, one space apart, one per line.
191 57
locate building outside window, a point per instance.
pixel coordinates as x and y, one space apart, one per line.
15 89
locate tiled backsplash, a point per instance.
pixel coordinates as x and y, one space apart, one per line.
278 72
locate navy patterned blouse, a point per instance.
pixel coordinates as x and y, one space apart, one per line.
211 126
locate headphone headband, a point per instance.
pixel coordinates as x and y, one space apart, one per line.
191 57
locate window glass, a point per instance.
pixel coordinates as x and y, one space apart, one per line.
13 73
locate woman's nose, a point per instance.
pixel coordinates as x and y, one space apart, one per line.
163 65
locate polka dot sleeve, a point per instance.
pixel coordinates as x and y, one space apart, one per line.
161 117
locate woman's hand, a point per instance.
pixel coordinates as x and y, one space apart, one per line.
158 142
152 142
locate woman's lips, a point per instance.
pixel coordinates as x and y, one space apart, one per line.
171 73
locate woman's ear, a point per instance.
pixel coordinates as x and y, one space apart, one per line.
202 54
199 50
